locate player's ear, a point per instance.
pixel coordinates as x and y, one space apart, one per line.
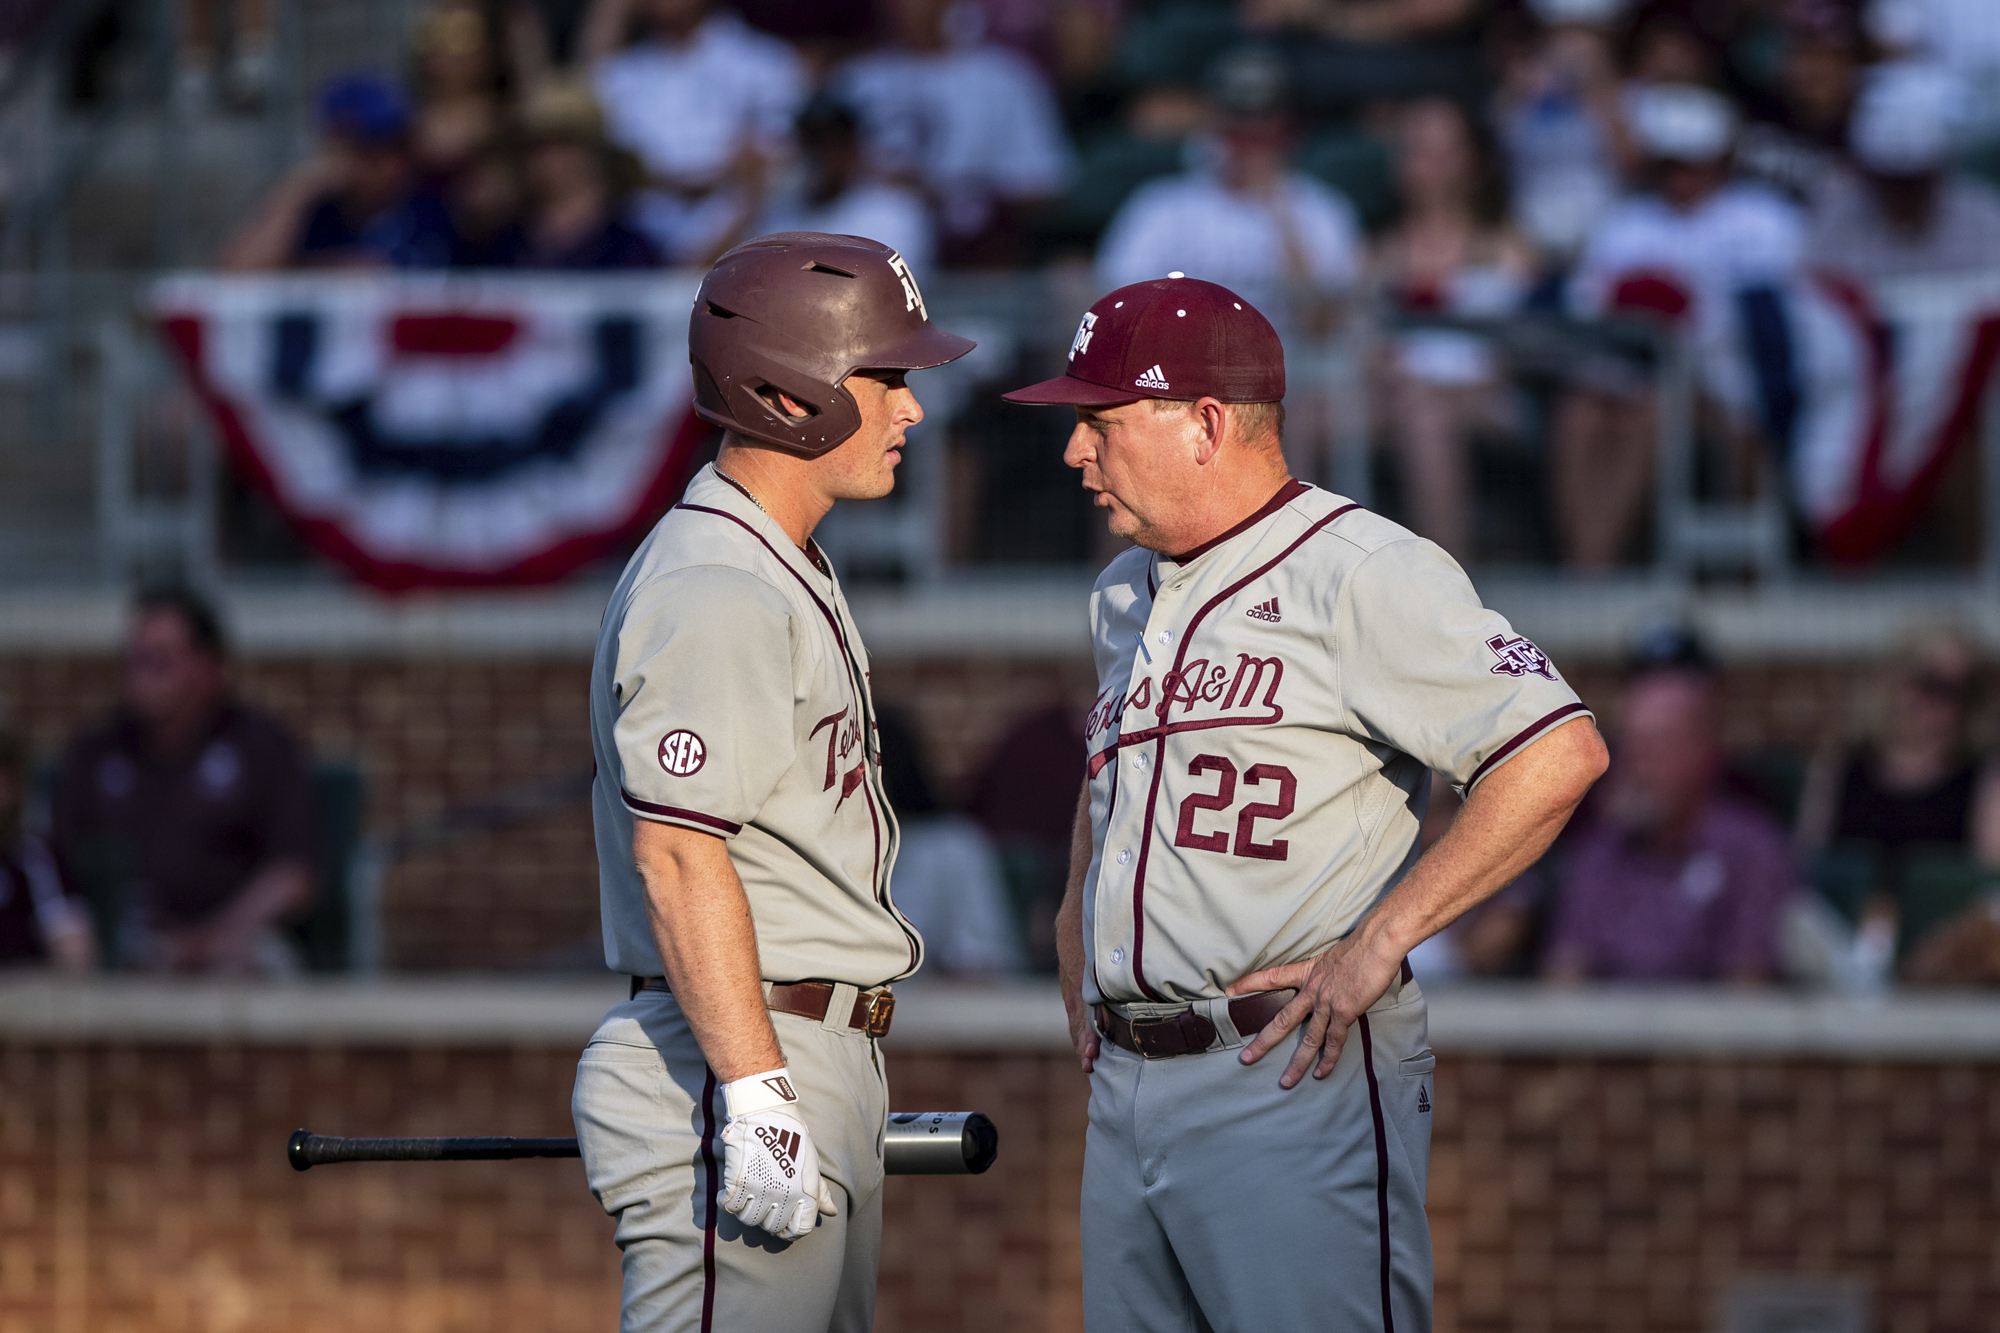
1212 424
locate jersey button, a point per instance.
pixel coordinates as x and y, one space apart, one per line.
1139 761
1117 955
1166 636
1125 856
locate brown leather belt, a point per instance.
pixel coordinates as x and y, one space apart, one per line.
872 1013
1188 1033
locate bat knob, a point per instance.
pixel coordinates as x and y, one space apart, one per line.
295 1151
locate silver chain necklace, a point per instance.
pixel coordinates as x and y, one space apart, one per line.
746 490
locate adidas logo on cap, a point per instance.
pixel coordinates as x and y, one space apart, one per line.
1266 611
1152 379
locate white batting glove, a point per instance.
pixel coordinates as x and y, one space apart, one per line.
770 1173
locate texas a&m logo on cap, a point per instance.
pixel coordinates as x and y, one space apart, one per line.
682 753
1518 658
1081 343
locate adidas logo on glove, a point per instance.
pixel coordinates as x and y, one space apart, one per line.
784 1146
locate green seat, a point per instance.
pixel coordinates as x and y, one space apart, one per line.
1937 884
1357 164
1109 168
1847 876
324 935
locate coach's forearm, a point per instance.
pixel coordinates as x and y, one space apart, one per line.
1504 827
708 943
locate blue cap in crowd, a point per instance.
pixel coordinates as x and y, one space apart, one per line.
366 108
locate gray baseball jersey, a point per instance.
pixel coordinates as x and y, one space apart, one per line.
729 694
1269 705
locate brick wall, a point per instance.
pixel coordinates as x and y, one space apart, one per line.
144 1189
433 734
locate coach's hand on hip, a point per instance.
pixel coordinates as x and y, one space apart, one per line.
1334 989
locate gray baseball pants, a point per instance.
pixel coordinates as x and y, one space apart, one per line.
1213 1199
649 1116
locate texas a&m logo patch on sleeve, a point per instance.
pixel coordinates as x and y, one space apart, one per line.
1519 658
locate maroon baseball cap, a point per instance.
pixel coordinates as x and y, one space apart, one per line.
1173 337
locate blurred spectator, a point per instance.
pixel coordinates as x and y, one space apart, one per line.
456 77
1799 132
38 922
1451 252
578 186
1962 35
358 202
835 193
947 879
1915 791
1905 211
1024 796
1690 251
707 105
1558 119
1365 21
970 122
186 816
1674 882
1249 221
239 33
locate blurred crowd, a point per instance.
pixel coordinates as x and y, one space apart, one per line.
1442 163
184 832
1875 858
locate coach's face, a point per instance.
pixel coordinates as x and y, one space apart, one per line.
1142 464
863 466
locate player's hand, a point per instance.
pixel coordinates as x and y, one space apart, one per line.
1334 989
1082 1029
770 1173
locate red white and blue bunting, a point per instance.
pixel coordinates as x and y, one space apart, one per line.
442 431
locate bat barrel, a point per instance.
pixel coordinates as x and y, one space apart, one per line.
940 1143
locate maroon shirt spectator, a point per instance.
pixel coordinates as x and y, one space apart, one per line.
1676 882
188 810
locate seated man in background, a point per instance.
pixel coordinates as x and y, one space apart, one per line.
357 203
186 816
1675 882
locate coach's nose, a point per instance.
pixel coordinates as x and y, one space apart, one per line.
1081 448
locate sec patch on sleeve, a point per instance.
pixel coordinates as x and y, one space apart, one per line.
682 753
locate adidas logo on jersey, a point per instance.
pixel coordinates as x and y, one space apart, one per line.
1152 379
1423 1100
784 1146
1266 611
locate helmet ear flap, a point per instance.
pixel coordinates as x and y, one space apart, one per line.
745 405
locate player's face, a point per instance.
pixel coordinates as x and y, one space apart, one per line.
1138 461
863 467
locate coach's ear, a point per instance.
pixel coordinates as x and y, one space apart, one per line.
1212 423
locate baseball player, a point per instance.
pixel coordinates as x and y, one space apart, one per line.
1278 670
732 1113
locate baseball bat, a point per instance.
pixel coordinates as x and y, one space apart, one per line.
919 1143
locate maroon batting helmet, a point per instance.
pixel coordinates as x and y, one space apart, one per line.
798 312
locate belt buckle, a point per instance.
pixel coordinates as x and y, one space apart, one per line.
881 1009
1196 1034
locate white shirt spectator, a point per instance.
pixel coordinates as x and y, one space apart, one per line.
1963 35
882 212
687 109
1742 236
974 124
1197 225
1851 233
948 884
